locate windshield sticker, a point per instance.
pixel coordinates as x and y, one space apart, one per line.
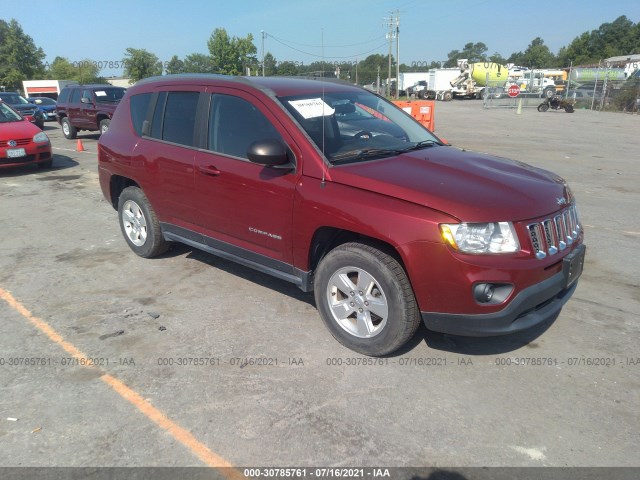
312 108
100 93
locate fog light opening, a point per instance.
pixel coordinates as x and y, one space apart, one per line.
483 292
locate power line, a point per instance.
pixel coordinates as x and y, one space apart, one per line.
323 46
322 56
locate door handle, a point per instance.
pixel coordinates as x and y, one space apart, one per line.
209 170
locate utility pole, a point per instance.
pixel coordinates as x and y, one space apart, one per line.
397 54
389 24
263 35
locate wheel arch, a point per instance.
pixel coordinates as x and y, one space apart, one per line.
326 239
117 184
101 116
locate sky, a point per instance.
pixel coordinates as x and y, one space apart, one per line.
307 30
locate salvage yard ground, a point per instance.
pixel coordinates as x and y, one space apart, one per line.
196 361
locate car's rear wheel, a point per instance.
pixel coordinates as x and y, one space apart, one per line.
139 224
68 130
104 125
365 299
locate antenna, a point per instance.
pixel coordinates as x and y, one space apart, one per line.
324 167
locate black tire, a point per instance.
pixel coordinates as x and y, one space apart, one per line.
69 131
139 224
104 125
421 94
447 96
543 107
549 92
568 109
381 293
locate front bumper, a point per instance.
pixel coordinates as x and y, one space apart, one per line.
532 306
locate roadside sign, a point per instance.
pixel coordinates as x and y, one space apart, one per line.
513 91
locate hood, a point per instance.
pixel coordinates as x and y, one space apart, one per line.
21 107
472 187
17 130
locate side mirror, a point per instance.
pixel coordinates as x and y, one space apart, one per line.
85 100
270 153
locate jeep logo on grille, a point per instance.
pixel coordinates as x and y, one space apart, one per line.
561 201
12 143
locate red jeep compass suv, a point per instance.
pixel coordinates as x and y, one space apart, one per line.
336 190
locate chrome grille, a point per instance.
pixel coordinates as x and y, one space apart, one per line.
553 235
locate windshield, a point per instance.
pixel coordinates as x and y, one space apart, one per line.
12 99
7 114
109 95
356 125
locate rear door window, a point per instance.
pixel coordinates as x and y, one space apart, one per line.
179 120
75 95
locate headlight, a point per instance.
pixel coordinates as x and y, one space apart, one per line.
40 137
499 237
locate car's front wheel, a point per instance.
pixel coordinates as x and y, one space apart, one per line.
365 299
68 130
139 224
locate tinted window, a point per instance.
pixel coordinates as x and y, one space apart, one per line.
109 95
180 117
156 123
64 95
139 108
235 124
75 95
87 94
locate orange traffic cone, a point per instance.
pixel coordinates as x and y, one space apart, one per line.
79 146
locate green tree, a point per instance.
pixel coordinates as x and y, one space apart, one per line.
175 65
139 64
83 71
287 69
87 71
497 58
20 59
199 63
538 55
270 65
473 52
620 37
232 55
368 68
62 69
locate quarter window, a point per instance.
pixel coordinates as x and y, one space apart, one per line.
139 108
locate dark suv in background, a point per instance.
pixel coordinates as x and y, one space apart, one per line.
87 107
23 107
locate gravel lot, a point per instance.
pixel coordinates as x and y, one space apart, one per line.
270 386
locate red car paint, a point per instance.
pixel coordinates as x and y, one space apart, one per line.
17 134
289 218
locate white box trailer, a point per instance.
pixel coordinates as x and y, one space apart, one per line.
45 88
409 79
439 83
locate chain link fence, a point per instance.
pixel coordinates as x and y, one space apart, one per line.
601 89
